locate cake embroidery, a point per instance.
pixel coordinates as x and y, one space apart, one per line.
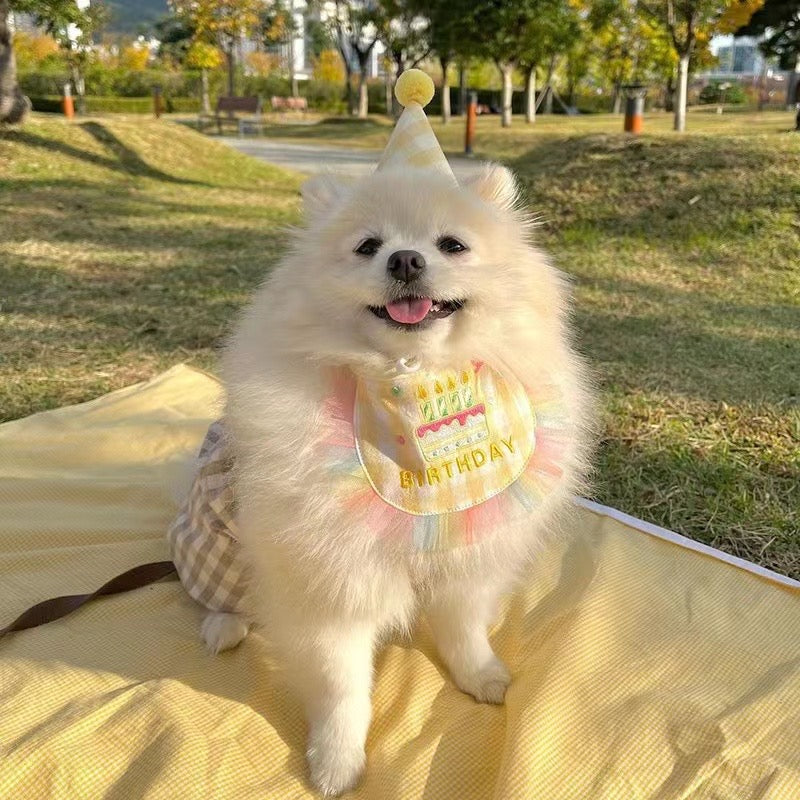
453 415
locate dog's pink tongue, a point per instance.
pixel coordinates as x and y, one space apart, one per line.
410 309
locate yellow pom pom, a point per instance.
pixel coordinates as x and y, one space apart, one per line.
414 86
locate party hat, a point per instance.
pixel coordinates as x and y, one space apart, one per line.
413 143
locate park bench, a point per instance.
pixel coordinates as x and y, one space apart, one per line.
245 112
289 103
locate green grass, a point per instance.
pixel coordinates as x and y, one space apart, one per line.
126 246
685 254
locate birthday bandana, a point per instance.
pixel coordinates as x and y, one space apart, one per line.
435 443
444 459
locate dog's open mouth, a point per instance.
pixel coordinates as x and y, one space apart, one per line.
411 311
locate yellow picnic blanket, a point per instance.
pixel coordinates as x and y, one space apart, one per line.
642 668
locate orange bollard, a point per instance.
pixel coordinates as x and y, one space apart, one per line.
66 102
472 115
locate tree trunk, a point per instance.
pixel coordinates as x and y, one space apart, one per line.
462 90
792 84
681 93
399 69
229 54
616 99
389 87
13 104
349 95
80 87
530 95
571 92
363 93
348 74
445 62
669 94
548 100
506 71
205 99
292 75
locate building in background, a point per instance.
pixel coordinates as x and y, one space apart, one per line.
737 58
740 60
299 52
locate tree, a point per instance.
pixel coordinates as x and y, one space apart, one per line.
405 32
357 26
453 37
134 58
318 38
73 28
517 31
685 21
616 35
444 35
180 43
277 27
502 23
328 67
223 21
175 36
779 21
578 63
13 104
553 30
203 56
738 14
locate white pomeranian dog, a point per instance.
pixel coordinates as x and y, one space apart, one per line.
405 428
402 270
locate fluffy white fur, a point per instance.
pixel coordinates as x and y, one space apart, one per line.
325 589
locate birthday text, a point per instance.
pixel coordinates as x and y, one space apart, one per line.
473 460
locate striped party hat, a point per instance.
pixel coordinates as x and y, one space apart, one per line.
413 143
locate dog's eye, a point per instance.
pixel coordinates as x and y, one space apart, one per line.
449 244
368 247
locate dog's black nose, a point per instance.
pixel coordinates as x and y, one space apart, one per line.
405 265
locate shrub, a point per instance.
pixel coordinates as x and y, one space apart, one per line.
264 86
120 105
43 82
376 90
36 51
324 96
49 105
328 67
734 93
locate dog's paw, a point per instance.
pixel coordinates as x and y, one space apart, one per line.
334 769
489 684
222 631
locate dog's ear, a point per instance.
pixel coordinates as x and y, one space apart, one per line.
495 184
323 193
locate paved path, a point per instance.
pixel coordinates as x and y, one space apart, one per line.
315 158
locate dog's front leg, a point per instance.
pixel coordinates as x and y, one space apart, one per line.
459 615
332 674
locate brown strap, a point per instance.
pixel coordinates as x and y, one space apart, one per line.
57 607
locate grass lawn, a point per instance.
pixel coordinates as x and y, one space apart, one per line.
493 141
126 245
